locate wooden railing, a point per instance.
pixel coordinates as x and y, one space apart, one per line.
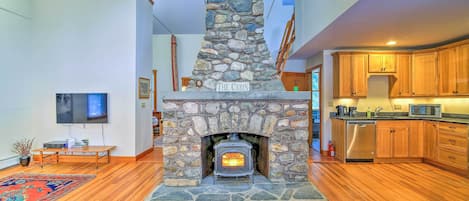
285 46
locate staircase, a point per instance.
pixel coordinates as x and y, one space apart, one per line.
285 46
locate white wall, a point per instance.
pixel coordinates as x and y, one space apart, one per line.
15 76
315 60
143 107
188 46
327 100
85 46
295 65
275 20
314 16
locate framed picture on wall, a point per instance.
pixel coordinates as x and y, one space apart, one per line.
143 87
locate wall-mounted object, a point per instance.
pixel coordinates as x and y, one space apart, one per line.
143 88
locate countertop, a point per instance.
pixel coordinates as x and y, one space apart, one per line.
443 119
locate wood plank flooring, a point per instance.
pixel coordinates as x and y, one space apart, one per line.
136 180
114 181
404 181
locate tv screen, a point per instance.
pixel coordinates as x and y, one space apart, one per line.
81 108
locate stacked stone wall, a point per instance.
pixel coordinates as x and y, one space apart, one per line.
234 49
284 122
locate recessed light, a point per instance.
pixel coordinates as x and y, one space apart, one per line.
391 42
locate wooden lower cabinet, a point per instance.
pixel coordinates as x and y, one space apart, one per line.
430 140
338 138
416 132
392 139
452 145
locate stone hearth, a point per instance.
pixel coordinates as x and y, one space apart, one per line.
282 117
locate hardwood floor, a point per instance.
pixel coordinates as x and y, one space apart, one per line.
407 181
114 181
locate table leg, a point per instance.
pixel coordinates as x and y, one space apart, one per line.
108 156
97 158
42 159
57 155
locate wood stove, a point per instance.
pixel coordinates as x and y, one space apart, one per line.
233 157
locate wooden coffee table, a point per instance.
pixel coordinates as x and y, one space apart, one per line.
71 151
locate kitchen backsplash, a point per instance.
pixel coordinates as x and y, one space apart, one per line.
378 95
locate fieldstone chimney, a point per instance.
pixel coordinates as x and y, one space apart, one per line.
234 50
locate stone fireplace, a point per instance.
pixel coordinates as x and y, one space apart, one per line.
235 89
280 117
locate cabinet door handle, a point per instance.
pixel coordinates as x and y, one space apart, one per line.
452 142
452 127
451 157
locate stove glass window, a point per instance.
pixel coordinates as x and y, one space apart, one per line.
232 160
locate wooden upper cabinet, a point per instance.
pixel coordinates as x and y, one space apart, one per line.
350 77
382 63
447 66
360 77
462 75
342 71
400 84
424 74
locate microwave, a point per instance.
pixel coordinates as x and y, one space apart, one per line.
425 110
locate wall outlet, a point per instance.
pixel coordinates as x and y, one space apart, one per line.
143 105
330 103
397 107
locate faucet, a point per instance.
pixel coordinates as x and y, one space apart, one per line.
377 110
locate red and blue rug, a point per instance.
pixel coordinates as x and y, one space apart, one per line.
39 186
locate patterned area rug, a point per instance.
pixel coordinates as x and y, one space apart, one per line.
39 186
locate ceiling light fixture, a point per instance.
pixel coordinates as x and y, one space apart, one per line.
391 42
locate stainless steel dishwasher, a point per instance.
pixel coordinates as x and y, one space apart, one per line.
360 141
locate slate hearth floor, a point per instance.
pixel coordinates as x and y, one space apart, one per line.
238 190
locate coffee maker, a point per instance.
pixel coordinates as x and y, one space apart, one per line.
341 110
352 111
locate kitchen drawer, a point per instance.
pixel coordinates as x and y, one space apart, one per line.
452 142
454 129
452 158
392 123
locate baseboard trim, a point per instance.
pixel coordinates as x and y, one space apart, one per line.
8 162
141 155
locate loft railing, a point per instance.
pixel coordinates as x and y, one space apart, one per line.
285 46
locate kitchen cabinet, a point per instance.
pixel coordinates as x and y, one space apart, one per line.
400 85
447 67
430 140
338 138
462 75
392 139
416 132
452 145
350 75
381 63
424 74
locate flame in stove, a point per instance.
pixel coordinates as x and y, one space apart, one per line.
232 160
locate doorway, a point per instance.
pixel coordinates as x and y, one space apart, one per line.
315 89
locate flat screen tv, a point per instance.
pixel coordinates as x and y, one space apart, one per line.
81 108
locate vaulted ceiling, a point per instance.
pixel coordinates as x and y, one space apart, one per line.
368 23
412 23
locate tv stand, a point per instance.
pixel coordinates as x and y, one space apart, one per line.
75 151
